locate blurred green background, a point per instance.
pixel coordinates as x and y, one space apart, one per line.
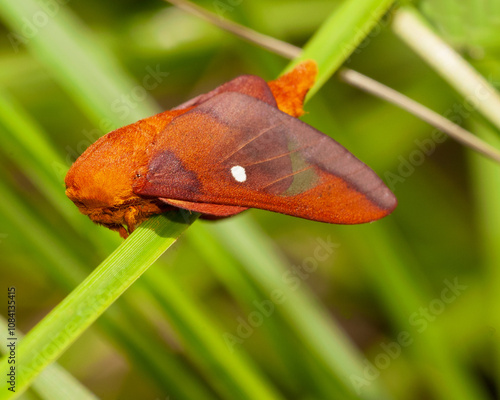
415 297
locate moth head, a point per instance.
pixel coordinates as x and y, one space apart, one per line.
102 177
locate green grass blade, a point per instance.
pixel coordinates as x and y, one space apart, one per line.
79 62
232 374
54 383
66 267
151 355
306 318
487 197
46 342
340 35
144 349
388 252
241 287
411 27
23 138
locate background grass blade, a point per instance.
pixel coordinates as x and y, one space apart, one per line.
45 343
340 35
488 194
415 31
54 383
66 271
89 87
232 373
306 318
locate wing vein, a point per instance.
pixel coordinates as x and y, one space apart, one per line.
250 141
283 155
287 176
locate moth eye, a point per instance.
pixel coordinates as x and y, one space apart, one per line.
138 175
239 173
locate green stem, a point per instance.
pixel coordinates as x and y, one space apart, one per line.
60 328
337 38
410 26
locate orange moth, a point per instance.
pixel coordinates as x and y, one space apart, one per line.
239 146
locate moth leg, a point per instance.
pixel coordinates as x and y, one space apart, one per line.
117 228
131 219
122 231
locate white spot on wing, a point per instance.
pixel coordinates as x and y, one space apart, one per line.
239 173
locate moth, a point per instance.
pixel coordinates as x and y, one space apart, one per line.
239 146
